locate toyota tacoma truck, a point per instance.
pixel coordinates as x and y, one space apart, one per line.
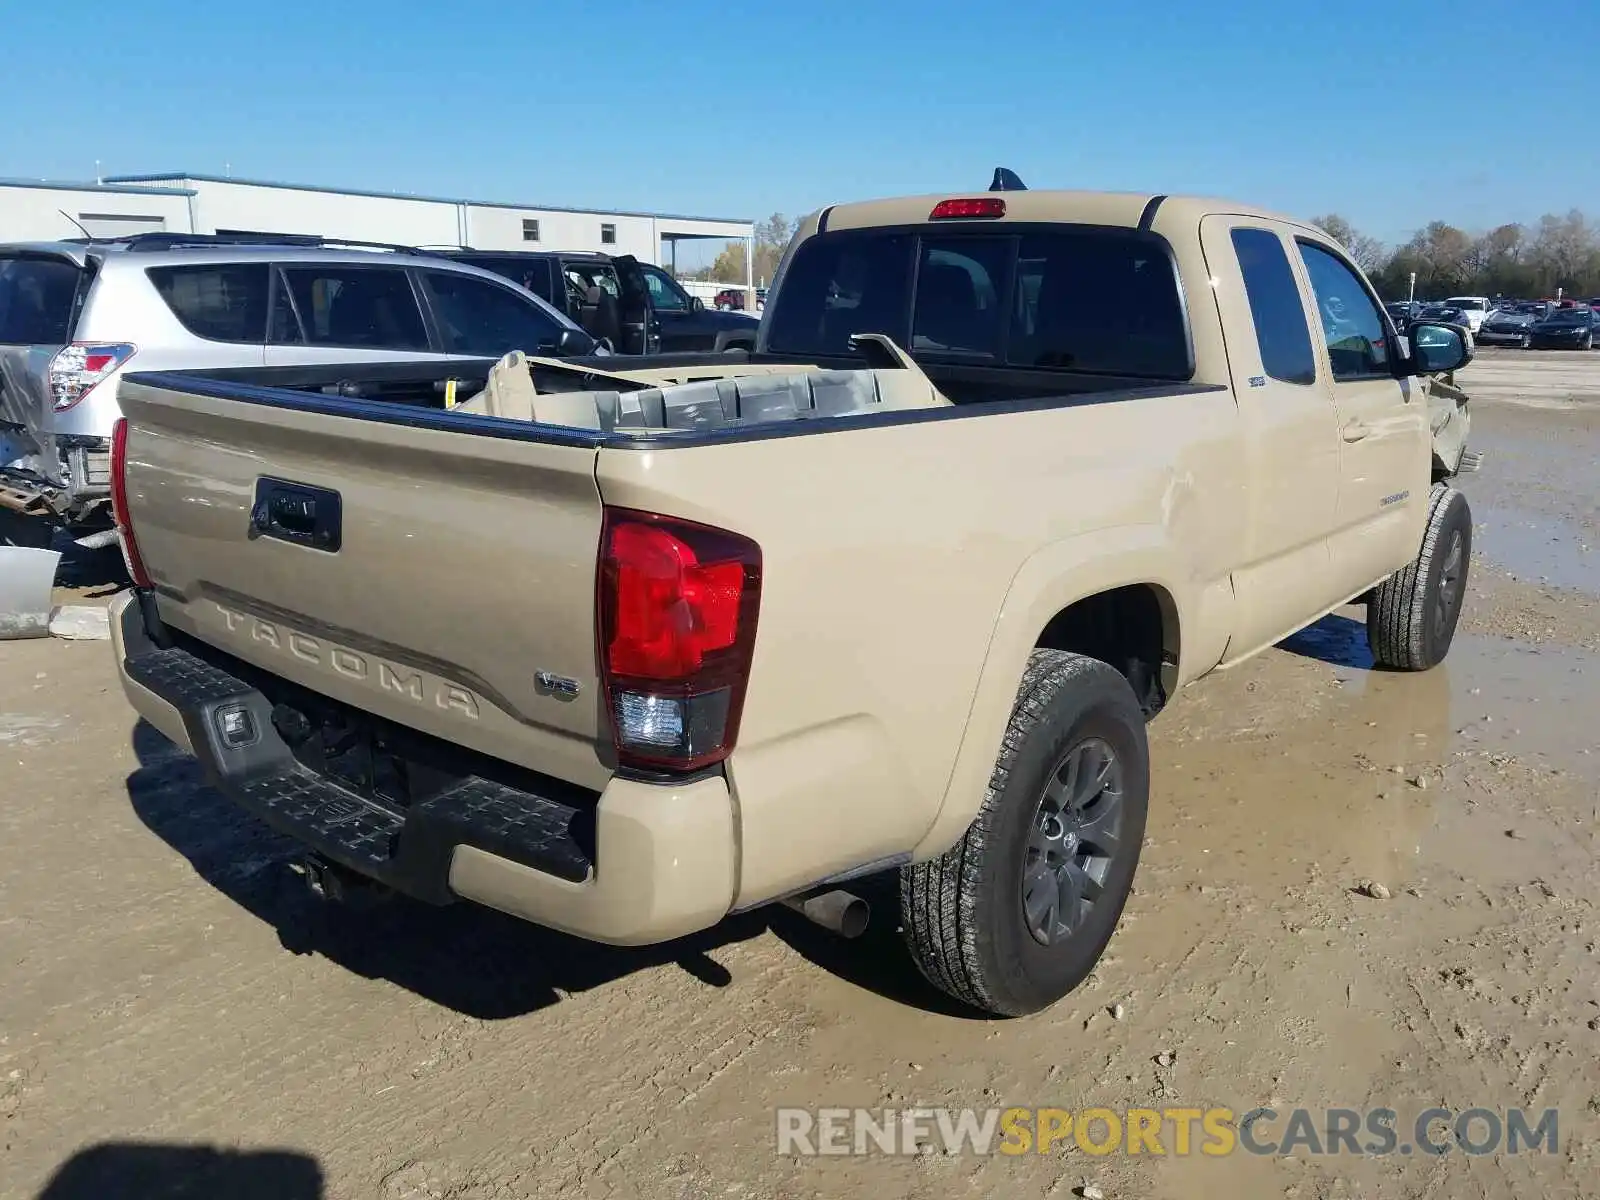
622 652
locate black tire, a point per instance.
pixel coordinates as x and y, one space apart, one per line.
1412 616
963 912
1588 341
1525 343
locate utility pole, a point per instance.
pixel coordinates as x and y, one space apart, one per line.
1411 296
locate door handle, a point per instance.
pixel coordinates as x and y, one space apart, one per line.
1356 430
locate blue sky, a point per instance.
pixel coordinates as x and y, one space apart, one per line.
1391 112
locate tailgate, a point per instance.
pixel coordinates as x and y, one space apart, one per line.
439 578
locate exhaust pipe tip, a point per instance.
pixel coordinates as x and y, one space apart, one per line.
340 886
837 911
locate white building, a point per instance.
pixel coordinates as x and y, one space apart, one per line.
33 210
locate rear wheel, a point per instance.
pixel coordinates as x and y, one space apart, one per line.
1017 913
1412 616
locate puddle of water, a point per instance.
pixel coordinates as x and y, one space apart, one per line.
24 730
1278 766
1538 547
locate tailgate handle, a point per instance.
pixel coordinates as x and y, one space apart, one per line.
297 513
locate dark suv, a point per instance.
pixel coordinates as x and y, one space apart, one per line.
686 324
653 313
607 295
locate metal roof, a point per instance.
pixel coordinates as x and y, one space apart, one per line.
187 177
126 187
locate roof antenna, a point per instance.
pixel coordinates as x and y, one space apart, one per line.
1006 180
76 222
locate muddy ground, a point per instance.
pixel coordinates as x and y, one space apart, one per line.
166 980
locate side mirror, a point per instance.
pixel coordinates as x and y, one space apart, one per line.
696 304
1438 349
574 343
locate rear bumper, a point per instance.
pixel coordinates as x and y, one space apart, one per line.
641 863
75 487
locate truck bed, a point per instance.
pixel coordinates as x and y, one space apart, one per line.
459 599
425 385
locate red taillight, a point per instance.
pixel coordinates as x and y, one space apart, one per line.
78 368
119 504
986 206
677 610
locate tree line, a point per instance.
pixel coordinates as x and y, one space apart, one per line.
1529 262
771 236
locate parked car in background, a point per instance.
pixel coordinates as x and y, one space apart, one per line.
1402 313
1573 328
1506 327
606 294
685 324
1474 308
75 314
1447 314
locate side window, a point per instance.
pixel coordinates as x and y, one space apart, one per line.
224 303
959 283
478 317
367 307
1358 346
663 296
1275 306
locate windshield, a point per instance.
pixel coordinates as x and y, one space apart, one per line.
1074 298
1568 316
1470 303
1440 312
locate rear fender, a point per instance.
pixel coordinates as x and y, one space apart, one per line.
1053 579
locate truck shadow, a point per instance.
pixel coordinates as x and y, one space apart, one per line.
152 1169
1337 640
465 957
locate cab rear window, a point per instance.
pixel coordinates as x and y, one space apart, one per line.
1068 298
38 301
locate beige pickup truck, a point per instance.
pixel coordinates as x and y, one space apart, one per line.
623 652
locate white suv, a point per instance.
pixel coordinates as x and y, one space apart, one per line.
75 314
1474 308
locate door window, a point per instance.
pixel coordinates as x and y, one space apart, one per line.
1358 344
1275 306
664 294
369 307
479 317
